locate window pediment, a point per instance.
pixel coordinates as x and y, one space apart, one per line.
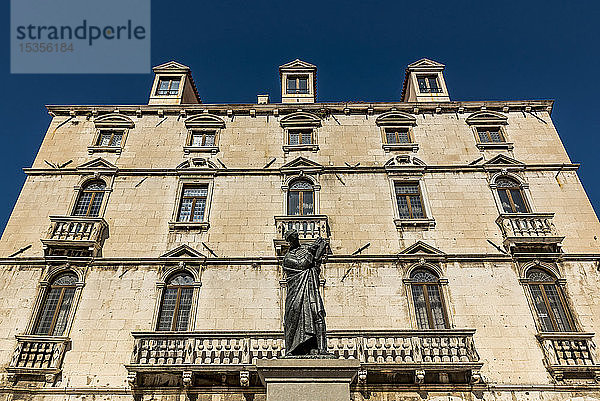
503 161
183 251
421 247
204 121
487 117
197 162
113 121
97 164
300 119
392 118
301 163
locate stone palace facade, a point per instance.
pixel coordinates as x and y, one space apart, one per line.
142 259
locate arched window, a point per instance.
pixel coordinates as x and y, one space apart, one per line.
176 303
428 300
54 312
548 301
511 196
301 198
90 199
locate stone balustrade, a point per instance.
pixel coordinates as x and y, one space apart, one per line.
391 350
308 227
529 232
75 236
38 356
570 355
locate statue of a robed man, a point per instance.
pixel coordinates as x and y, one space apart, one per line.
304 321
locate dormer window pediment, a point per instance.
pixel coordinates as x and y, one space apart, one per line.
173 84
298 82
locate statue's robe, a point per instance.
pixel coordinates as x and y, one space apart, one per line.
303 304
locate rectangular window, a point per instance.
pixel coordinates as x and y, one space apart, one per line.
408 198
397 135
428 84
300 136
110 138
193 203
297 84
490 135
168 86
203 138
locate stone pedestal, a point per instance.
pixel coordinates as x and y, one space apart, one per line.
307 379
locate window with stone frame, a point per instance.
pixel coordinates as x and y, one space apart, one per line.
428 84
301 198
428 300
55 308
202 138
193 203
89 200
176 303
110 138
548 301
297 84
409 200
397 135
511 195
490 134
168 86
300 136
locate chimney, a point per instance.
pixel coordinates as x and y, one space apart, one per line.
263 99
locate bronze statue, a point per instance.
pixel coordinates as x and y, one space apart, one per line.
304 321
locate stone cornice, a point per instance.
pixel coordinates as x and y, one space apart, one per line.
277 171
318 108
273 260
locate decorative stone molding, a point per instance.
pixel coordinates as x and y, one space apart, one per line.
38 356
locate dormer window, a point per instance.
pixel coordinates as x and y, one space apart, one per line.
428 84
168 86
297 84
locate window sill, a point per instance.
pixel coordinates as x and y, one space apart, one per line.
425 223
294 148
97 149
495 145
201 149
411 147
189 225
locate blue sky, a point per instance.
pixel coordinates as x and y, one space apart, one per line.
502 50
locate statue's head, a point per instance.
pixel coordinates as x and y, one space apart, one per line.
291 236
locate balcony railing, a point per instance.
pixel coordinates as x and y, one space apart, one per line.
309 228
413 352
533 232
75 236
37 356
570 355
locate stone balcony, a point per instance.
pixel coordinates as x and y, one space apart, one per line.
75 236
529 232
390 356
37 357
309 228
570 355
